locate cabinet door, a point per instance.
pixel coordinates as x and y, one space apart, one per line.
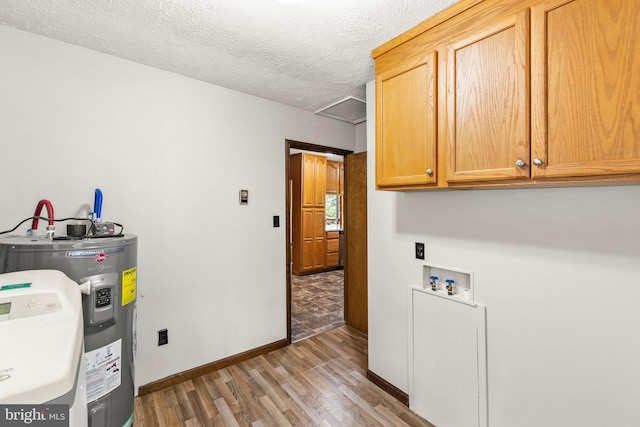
407 123
308 180
320 180
333 248
333 177
314 180
488 103
308 239
320 247
314 249
333 245
585 87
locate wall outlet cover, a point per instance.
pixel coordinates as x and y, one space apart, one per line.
163 337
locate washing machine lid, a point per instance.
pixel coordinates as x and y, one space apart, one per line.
41 336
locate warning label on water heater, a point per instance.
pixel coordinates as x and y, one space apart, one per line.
104 370
128 286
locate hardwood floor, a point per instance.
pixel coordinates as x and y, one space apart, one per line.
319 381
317 303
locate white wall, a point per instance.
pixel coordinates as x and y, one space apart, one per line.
361 136
170 154
559 272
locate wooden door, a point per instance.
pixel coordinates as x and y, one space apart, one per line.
355 265
407 123
585 87
488 103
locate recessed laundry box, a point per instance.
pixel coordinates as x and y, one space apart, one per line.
109 264
42 376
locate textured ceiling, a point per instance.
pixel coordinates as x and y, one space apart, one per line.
308 54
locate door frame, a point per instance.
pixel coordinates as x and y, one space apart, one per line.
299 145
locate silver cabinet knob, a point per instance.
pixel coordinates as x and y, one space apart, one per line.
520 163
429 172
537 161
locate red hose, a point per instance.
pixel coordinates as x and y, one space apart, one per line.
49 206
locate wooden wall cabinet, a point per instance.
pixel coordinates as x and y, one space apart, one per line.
308 184
585 88
538 93
333 177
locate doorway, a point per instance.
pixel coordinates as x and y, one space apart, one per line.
323 293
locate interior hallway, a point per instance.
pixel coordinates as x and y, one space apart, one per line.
316 381
317 303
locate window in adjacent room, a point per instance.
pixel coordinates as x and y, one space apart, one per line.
332 209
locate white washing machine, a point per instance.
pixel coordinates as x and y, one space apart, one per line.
41 346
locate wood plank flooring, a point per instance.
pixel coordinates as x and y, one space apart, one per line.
317 303
319 381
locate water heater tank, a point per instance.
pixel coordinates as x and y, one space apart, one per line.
109 263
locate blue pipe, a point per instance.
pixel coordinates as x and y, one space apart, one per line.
97 204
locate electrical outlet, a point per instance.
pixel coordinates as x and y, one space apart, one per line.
419 250
276 221
163 337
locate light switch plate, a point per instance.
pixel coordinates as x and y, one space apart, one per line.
244 197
